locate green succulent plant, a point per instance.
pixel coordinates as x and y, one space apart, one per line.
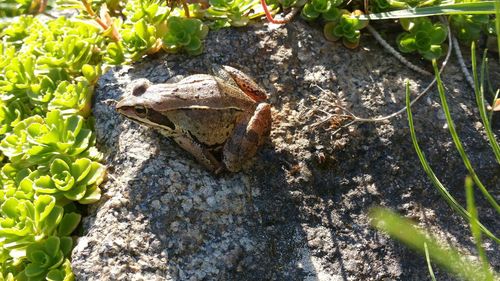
325 8
237 13
11 178
7 277
468 28
380 6
68 46
18 226
347 28
11 8
63 273
72 98
423 37
62 49
65 180
139 38
184 34
16 78
35 140
152 11
22 222
11 113
15 31
47 260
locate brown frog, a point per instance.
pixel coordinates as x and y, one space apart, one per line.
220 119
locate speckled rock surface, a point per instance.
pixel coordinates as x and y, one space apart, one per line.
299 210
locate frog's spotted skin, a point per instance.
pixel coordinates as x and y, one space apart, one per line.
218 119
247 137
241 81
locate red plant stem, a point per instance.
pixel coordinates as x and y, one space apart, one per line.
115 35
269 16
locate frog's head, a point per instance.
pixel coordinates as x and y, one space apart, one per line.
141 109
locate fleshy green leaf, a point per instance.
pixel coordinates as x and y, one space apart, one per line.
81 168
43 206
68 224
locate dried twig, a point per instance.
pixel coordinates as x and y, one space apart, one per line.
356 119
395 53
460 58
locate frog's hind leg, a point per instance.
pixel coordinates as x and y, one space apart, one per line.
204 156
246 138
240 80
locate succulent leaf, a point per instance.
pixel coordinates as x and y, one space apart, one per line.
423 36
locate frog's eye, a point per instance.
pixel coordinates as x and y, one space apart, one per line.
141 111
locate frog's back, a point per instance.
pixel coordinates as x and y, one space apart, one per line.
196 91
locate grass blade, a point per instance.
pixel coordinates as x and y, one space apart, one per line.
497 24
474 227
481 7
430 173
403 230
458 143
428 260
481 104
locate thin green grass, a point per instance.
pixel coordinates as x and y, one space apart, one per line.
474 227
497 24
481 104
405 231
458 142
432 176
428 260
470 8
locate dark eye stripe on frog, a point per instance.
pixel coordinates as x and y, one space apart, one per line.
160 119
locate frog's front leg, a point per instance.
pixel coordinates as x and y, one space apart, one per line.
246 138
204 156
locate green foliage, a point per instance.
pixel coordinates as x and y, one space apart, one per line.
47 74
152 12
347 28
184 34
292 3
340 23
11 178
74 98
76 180
23 222
47 260
404 4
325 8
55 52
11 8
151 26
36 140
138 38
237 13
407 232
468 28
423 37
